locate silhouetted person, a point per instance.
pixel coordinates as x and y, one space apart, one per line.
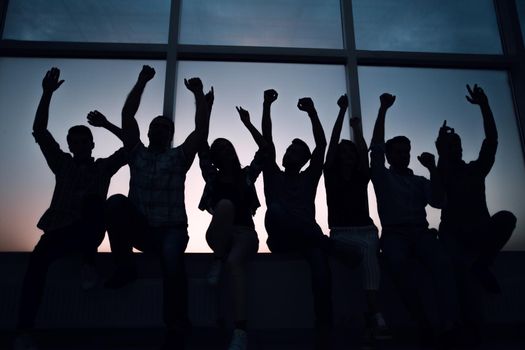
401 201
231 198
472 236
74 222
153 217
290 216
346 177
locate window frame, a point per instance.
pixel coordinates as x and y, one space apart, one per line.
511 60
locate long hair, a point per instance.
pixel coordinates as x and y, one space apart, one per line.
215 153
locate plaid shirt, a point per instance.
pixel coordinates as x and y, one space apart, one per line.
157 185
74 180
401 198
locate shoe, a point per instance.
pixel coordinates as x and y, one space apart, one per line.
214 273
24 341
88 277
486 278
239 340
381 331
121 278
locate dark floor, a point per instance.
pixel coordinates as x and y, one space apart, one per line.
207 339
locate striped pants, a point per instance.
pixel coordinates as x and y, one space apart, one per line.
367 240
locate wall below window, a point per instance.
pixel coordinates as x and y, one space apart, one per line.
279 295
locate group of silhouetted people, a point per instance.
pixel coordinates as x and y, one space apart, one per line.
152 217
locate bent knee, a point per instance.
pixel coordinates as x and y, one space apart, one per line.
116 202
505 219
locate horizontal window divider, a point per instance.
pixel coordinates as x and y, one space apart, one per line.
435 60
82 50
260 54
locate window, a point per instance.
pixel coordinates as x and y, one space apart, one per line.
125 21
243 84
242 48
27 182
426 97
467 26
281 23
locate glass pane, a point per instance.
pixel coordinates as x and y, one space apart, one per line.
467 26
426 97
242 84
26 183
520 4
281 23
113 21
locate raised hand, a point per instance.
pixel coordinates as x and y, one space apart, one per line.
427 160
270 96
477 95
244 114
387 100
445 129
51 81
342 102
306 104
146 74
194 85
210 97
97 119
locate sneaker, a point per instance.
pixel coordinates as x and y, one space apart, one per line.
239 340
214 274
375 329
121 278
88 277
24 342
486 278
381 331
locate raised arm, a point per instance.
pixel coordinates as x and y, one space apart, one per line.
97 119
50 84
202 118
360 143
307 105
437 191
245 119
477 97
378 136
269 97
342 102
130 128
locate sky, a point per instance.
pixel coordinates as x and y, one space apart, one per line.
425 96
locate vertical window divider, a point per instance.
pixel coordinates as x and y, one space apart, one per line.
352 79
171 61
512 43
3 14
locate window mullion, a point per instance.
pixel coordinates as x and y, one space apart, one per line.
171 61
352 78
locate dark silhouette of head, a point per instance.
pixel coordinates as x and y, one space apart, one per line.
449 145
160 132
296 155
346 158
80 141
223 155
397 152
